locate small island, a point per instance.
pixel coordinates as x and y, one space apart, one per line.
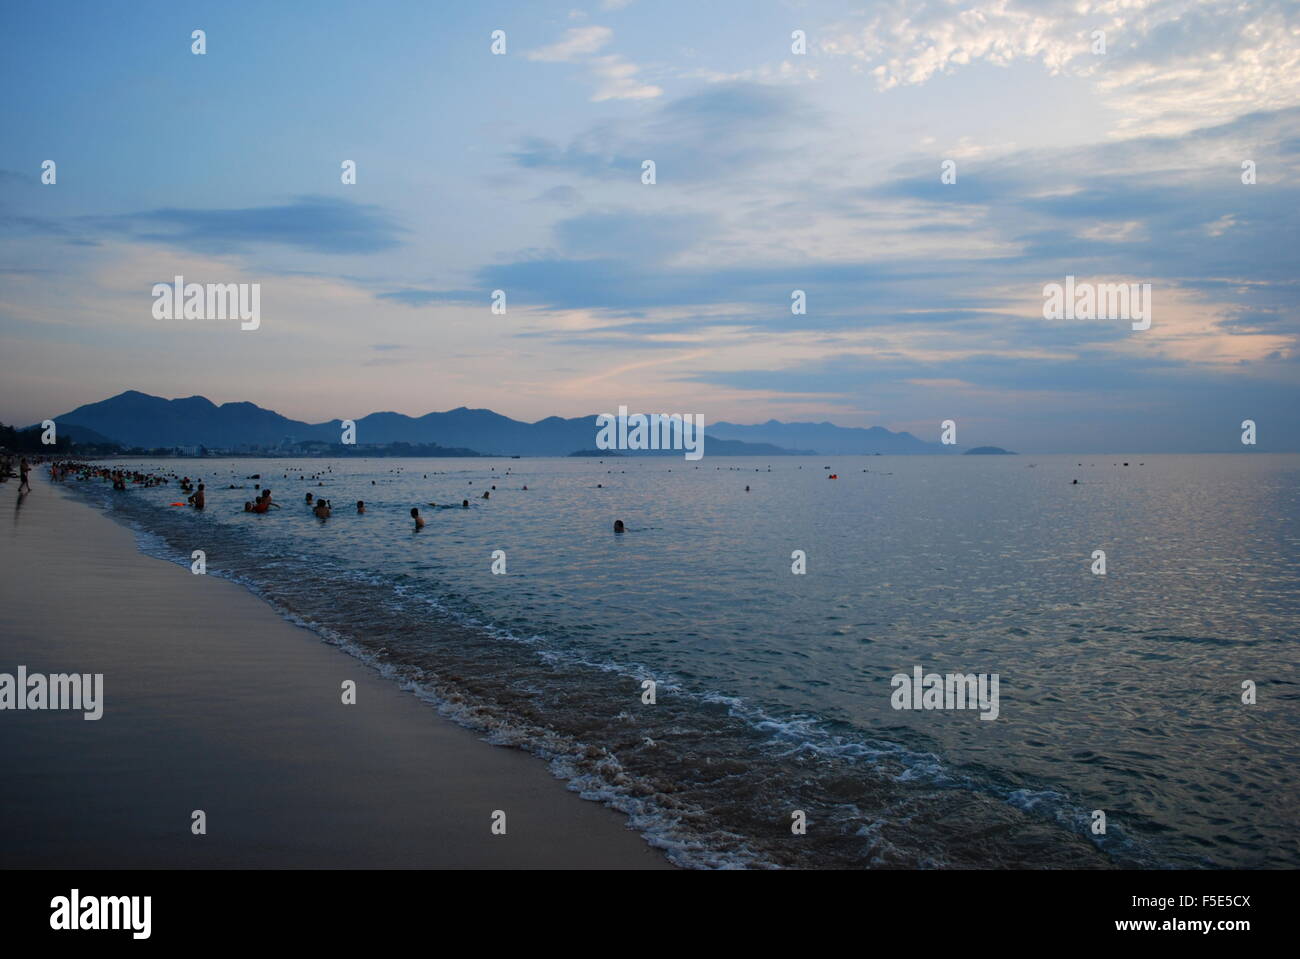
989 451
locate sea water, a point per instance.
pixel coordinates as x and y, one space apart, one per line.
1119 693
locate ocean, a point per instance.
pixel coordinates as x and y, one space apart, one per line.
1119 694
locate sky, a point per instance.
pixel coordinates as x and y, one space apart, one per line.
775 171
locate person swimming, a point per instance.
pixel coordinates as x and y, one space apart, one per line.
248 506
263 502
361 507
618 526
419 520
322 510
464 504
309 499
486 494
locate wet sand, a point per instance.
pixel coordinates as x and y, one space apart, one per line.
214 702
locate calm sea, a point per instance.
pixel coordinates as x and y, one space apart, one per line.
1120 693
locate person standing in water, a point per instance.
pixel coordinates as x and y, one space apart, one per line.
419 520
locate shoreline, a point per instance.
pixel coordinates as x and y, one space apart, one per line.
213 701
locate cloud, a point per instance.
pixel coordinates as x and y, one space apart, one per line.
416 297
310 223
1169 66
724 129
563 195
616 77
633 235
578 42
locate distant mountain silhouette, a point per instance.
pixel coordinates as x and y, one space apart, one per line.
137 419
827 438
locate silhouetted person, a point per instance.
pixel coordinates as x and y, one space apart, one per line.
618 526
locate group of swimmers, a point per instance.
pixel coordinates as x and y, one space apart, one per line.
320 507
62 469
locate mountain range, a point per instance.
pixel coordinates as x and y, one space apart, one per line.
135 419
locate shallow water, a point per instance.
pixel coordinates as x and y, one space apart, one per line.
1119 693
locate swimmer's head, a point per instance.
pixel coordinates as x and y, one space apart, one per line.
414 512
618 526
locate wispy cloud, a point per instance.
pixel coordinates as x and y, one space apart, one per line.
723 129
1169 66
616 78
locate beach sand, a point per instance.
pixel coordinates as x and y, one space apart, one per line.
214 702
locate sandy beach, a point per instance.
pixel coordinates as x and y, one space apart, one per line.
213 702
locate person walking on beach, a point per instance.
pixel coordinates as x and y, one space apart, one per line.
23 469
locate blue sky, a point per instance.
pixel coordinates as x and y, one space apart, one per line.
776 171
